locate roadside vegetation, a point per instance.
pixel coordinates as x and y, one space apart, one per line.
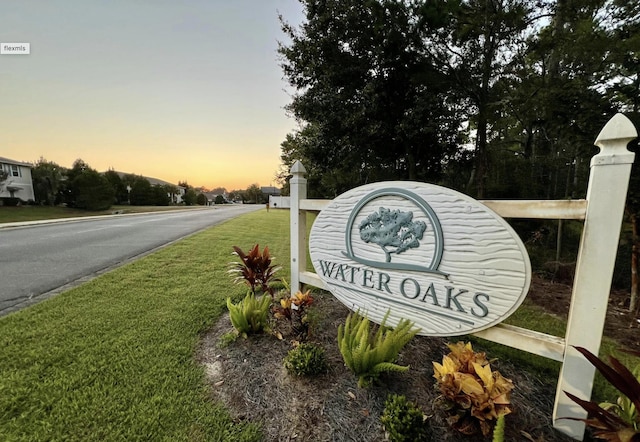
114 359
82 187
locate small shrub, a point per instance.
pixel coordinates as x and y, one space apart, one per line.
306 360
369 356
613 422
227 339
255 269
473 396
403 420
251 315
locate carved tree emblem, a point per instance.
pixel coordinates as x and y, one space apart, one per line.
393 230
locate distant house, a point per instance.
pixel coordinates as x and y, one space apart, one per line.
211 197
19 183
175 198
268 191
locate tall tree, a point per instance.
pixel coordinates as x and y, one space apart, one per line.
118 185
142 193
253 194
622 22
47 178
87 189
190 197
624 26
161 195
551 104
478 49
371 104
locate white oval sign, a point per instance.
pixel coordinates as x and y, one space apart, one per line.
423 252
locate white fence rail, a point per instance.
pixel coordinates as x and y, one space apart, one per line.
602 212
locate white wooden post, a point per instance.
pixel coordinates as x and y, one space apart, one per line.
606 195
298 225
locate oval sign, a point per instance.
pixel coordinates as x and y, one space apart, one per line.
422 252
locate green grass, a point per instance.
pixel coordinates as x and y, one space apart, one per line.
534 317
37 213
113 359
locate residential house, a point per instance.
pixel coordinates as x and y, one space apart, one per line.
19 183
268 191
211 197
175 197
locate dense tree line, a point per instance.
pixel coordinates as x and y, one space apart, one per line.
496 98
83 187
493 97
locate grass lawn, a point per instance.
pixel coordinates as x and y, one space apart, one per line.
113 360
37 213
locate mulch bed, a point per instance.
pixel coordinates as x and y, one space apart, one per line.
249 377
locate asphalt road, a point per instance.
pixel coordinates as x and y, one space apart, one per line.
38 261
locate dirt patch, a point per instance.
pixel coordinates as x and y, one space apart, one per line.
249 377
621 325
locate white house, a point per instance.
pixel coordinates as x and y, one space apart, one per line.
176 198
18 183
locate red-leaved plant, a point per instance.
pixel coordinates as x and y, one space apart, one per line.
255 269
613 422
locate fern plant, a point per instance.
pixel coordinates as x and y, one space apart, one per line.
498 430
251 315
367 355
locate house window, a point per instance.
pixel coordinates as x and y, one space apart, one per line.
15 171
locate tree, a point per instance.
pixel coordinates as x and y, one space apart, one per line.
161 196
142 193
201 199
253 194
3 177
371 103
219 199
190 197
47 180
393 230
481 46
118 185
87 189
237 195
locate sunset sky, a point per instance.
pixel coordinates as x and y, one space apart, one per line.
172 90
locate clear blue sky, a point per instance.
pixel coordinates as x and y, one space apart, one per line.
175 90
